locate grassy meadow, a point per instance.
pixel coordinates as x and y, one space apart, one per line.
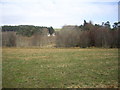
60 67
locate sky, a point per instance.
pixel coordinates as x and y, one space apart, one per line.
57 13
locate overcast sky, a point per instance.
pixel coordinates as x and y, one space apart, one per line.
57 13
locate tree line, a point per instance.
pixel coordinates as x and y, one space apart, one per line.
26 35
27 30
86 35
89 35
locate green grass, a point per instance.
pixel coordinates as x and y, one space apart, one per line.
61 68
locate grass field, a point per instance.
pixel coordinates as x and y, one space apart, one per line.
61 68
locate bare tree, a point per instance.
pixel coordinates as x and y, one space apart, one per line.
8 39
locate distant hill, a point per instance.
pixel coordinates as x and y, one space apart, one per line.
29 30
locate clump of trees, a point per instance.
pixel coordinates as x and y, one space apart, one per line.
26 35
9 39
89 35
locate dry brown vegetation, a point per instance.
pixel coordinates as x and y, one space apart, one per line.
10 39
86 35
